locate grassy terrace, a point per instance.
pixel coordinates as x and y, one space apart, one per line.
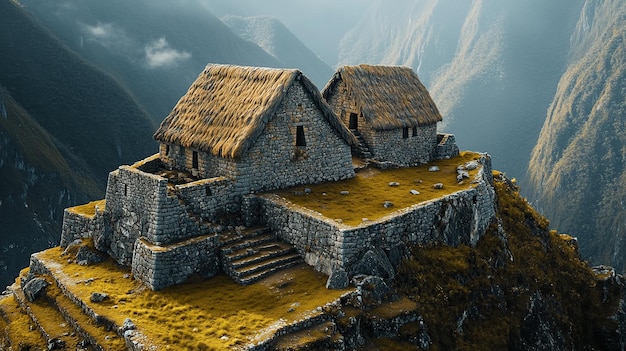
212 314
89 209
370 189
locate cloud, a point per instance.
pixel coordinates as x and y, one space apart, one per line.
160 54
110 36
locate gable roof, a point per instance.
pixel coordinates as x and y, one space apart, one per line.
226 109
390 97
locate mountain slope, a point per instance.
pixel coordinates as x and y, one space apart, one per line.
156 49
579 162
491 66
66 126
273 37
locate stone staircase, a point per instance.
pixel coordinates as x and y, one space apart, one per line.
361 150
252 254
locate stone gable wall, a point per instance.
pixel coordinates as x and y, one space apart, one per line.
446 147
78 226
458 218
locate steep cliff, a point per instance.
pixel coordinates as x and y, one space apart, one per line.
491 66
578 168
64 125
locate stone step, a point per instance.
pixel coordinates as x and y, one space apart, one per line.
247 243
258 253
265 259
17 331
48 320
100 332
266 272
321 336
236 235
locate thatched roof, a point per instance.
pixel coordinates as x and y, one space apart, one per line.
227 107
389 97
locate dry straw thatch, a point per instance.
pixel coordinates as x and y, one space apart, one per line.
389 97
226 109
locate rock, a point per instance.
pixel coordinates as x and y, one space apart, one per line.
394 184
56 344
433 169
307 190
87 256
438 186
98 297
471 165
128 325
373 290
344 192
374 262
461 174
72 247
414 192
338 279
387 204
35 288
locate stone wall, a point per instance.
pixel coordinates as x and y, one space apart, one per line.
77 226
459 218
446 147
391 146
163 266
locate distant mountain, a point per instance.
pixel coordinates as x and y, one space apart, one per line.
155 48
64 125
276 39
578 168
491 66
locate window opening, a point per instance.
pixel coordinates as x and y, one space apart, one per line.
167 150
414 131
194 160
405 132
125 189
207 191
354 122
300 140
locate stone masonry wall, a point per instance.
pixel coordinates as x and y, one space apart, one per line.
163 266
458 218
77 226
446 146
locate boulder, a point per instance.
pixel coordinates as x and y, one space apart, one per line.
98 297
433 169
374 262
373 290
387 204
438 186
394 184
414 192
87 256
35 288
338 279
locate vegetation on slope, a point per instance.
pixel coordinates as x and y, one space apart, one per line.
579 159
518 278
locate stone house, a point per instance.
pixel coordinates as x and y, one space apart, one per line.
390 111
266 128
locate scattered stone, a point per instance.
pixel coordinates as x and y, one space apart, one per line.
35 288
98 297
324 194
126 276
89 280
438 186
461 175
387 204
394 184
291 309
344 192
307 190
56 344
88 256
364 219
414 192
433 169
224 337
338 279
128 325
471 165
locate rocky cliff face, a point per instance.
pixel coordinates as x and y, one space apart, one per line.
578 168
492 67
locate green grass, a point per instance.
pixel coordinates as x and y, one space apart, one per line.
369 189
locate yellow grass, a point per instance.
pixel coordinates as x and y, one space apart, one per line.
89 209
370 189
20 331
200 315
